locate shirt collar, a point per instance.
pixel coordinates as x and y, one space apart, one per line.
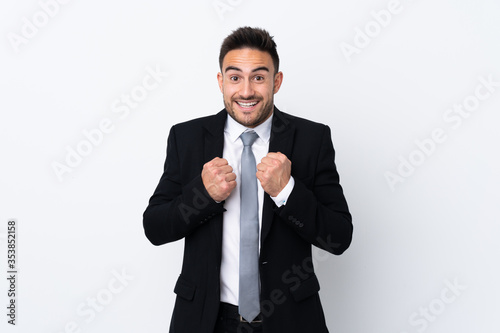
235 129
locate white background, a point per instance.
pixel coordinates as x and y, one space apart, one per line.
436 226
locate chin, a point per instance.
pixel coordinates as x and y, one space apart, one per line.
247 122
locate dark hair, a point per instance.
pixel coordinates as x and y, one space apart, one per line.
253 38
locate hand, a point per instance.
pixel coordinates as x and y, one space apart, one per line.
218 178
273 172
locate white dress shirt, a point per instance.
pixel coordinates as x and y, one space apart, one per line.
233 147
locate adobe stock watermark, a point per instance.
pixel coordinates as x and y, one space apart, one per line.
31 26
296 275
221 7
94 137
381 19
452 117
89 309
422 318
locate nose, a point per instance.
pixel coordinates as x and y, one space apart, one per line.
246 91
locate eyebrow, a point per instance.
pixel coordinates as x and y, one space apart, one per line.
261 68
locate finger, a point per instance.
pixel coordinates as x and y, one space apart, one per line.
260 175
271 161
217 161
230 177
279 156
276 155
230 186
225 169
264 167
263 177
218 170
266 160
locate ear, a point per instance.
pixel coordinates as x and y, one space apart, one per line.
220 79
278 79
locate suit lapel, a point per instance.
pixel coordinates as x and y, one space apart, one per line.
214 136
282 133
214 145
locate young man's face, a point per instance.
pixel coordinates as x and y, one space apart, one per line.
248 85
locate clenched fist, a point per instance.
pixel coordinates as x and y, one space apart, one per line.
273 172
218 178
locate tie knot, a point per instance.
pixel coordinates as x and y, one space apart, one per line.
249 138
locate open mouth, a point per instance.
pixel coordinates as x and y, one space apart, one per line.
247 105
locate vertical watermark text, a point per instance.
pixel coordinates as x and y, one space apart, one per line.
12 271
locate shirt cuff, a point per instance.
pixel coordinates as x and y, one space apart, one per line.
282 197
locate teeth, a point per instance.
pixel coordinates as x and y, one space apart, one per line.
246 105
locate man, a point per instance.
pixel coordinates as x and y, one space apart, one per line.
250 189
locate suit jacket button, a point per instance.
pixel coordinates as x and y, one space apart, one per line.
301 225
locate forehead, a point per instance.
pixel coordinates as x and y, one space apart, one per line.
248 59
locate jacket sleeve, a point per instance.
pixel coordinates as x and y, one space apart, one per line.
177 208
319 212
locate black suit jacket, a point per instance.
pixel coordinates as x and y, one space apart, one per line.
315 213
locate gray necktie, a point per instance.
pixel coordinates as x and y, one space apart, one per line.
249 306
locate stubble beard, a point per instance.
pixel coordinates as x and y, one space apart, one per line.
265 112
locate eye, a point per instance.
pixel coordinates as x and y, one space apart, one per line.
259 78
233 78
